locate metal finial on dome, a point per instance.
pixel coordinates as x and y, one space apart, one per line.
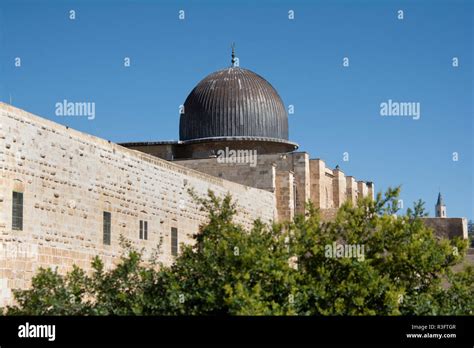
233 54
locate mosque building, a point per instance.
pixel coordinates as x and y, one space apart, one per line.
66 196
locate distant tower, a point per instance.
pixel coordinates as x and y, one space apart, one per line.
440 207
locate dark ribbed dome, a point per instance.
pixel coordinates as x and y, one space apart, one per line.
233 102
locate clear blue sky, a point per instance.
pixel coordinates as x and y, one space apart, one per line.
336 108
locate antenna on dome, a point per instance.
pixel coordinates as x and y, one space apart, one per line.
233 54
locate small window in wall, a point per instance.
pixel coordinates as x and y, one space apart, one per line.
17 211
174 241
107 227
295 197
143 229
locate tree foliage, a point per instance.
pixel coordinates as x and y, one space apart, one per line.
282 269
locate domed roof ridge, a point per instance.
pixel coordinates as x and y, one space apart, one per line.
231 102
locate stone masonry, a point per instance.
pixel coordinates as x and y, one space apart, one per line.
68 179
310 180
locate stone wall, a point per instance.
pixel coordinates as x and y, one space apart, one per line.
163 150
447 227
371 189
68 179
328 189
316 170
352 192
362 189
339 188
260 176
286 196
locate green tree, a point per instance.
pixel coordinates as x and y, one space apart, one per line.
52 294
403 261
232 271
283 269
